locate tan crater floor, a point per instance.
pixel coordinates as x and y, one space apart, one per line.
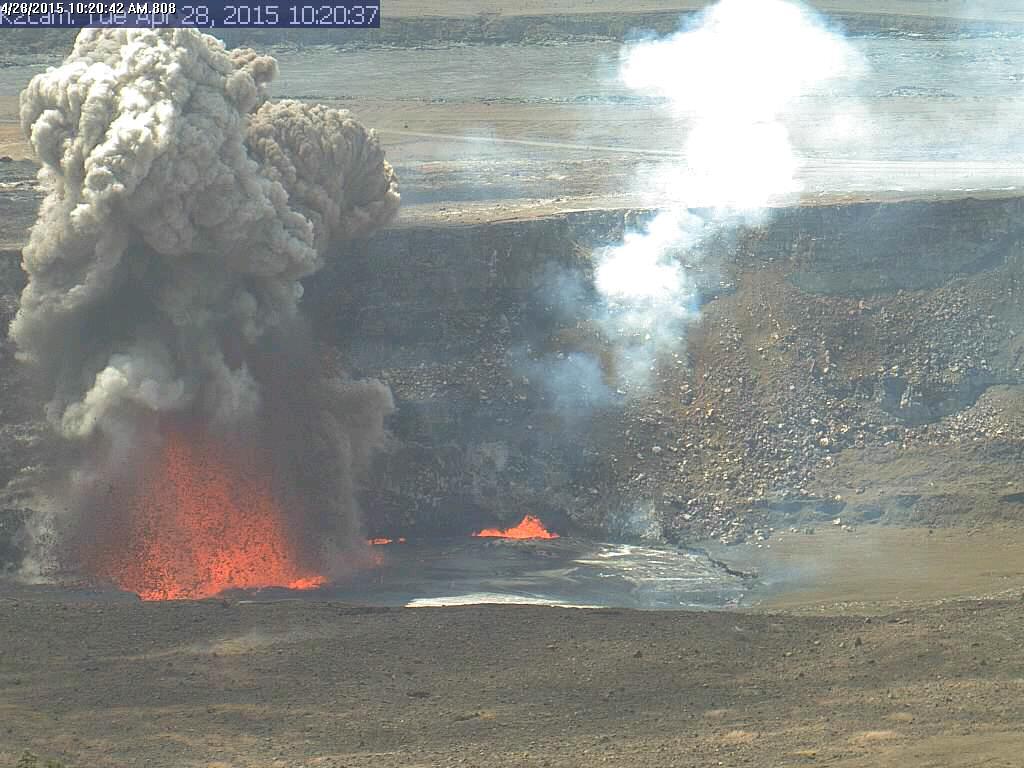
877 568
301 684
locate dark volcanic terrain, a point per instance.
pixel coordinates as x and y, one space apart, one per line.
297 684
859 361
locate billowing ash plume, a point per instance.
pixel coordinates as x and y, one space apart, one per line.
183 210
732 81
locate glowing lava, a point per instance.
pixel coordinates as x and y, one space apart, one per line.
529 528
202 524
381 541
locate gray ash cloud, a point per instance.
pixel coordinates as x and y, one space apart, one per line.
183 209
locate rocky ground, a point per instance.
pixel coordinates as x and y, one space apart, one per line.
796 400
299 684
816 384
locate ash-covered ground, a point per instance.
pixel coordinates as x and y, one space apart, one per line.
318 684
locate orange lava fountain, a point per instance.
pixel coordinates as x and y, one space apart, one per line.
202 524
529 528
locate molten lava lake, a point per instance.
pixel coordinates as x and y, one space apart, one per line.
875 564
563 571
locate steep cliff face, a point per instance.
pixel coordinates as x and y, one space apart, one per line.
829 337
858 361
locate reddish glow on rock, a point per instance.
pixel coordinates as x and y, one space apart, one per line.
529 528
382 541
202 524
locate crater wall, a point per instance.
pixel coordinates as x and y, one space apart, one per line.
859 361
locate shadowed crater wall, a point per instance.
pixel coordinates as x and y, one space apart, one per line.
846 357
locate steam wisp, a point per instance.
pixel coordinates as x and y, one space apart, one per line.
730 80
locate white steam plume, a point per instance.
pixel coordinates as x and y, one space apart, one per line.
183 209
730 79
